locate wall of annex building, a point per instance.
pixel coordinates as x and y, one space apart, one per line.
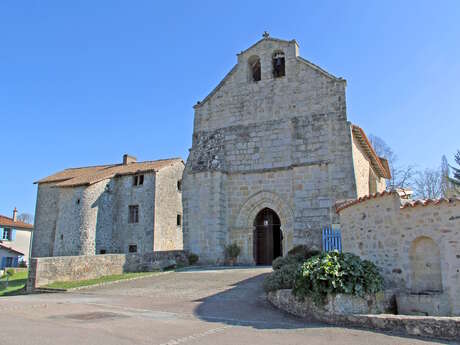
380 231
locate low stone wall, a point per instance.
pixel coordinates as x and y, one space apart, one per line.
43 271
425 326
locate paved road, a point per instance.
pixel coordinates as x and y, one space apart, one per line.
205 307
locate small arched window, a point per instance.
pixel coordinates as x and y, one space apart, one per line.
278 64
254 68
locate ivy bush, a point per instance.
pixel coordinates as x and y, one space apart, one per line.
333 272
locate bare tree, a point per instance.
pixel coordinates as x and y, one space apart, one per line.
428 184
447 187
26 218
401 175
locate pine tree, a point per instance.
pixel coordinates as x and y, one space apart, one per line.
446 184
456 171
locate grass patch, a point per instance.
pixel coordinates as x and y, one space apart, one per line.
104 279
16 284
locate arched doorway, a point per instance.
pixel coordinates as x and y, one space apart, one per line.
268 237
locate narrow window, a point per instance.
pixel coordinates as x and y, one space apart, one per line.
133 214
138 180
179 220
132 248
6 234
102 251
78 201
179 185
278 64
254 68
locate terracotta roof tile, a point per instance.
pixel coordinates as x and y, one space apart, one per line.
88 175
405 203
379 164
8 222
345 204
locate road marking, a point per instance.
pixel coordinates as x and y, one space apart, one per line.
196 336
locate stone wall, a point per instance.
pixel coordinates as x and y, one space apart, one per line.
415 244
78 218
43 271
343 310
367 181
46 213
282 143
168 198
125 194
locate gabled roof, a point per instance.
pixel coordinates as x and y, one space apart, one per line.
300 59
379 164
7 222
2 246
86 176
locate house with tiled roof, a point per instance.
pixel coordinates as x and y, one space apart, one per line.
15 238
130 207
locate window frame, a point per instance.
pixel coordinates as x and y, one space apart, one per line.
7 234
138 180
133 214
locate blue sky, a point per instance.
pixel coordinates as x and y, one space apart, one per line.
82 82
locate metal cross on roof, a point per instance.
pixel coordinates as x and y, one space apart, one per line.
265 34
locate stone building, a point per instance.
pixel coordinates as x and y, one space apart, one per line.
272 152
415 243
119 208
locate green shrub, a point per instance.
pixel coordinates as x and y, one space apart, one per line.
298 255
282 278
232 251
303 251
192 258
331 273
281 261
23 264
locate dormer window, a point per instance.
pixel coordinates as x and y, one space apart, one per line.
254 68
138 180
278 64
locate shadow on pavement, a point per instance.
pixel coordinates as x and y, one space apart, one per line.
244 304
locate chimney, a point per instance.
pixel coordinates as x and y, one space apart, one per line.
127 159
15 215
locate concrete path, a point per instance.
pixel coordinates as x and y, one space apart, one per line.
212 306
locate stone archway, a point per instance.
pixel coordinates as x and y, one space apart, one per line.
242 229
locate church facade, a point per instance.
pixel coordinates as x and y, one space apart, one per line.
272 152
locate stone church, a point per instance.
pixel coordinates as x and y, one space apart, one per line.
272 152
